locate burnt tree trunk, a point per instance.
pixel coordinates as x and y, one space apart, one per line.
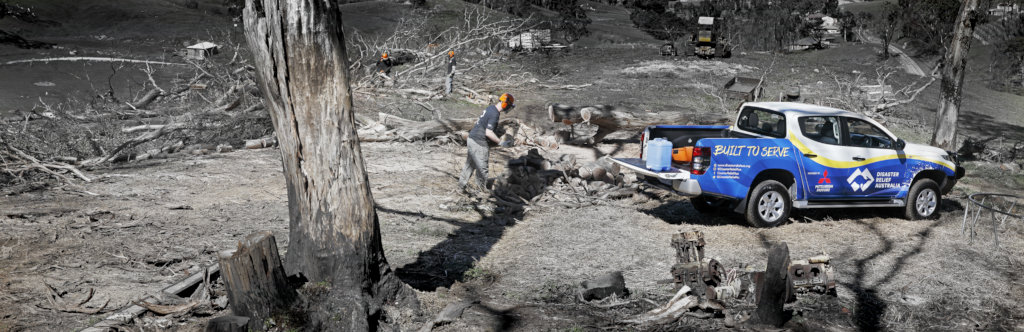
255 279
334 237
954 65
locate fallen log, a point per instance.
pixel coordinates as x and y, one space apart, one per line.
146 137
144 101
609 119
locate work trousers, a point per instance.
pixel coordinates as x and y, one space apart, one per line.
449 83
476 160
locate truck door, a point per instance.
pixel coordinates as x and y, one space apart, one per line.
879 171
820 143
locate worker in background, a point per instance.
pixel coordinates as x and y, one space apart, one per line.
476 144
384 65
450 79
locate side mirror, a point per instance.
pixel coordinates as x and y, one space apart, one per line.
900 144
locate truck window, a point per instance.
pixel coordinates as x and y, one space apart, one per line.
864 134
763 122
824 129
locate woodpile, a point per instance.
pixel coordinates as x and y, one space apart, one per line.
558 180
388 128
610 119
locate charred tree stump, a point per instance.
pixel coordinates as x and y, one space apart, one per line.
776 289
228 324
255 278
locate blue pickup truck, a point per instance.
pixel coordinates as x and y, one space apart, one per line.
784 156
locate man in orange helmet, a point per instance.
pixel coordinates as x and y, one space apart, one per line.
384 65
450 79
476 144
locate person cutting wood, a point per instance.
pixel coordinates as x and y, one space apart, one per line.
384 65
449 80
476 144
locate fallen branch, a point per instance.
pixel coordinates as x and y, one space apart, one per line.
146 137
164 310
678 306
913 95
58 303
565 87
93 59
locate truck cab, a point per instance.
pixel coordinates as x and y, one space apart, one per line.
782 156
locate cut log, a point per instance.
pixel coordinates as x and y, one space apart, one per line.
609 119
610 166
260 143
776 289
255 278
592 171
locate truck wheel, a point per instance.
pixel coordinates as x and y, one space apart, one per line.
923 200
768 204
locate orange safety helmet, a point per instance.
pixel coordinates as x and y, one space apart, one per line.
451 54
384 56
507 101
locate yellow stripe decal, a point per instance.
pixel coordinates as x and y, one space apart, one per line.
851 164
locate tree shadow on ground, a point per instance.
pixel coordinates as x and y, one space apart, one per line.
448 261
681 211
870 307
982 124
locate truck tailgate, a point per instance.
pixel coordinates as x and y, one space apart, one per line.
639 166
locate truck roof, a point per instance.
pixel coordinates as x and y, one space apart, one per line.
790 108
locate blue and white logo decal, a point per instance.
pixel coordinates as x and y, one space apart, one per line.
865 175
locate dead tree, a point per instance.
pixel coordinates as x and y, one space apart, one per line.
951 90
334 237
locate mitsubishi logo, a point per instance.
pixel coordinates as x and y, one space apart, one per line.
865 174
824 178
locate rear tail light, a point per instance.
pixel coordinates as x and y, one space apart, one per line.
642 134
701 160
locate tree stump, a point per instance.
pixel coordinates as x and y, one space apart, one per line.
228 324
777 287
255 279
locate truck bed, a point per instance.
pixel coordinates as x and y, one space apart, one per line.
639 166
681 136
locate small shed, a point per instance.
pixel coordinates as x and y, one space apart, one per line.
201 51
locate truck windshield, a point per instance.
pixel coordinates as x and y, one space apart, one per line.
763 122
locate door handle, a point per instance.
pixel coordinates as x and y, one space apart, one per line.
810 155
858 158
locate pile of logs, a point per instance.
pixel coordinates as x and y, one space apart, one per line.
547 179
610 119
388 128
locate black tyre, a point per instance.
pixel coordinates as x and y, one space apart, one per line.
704 204
768 204
923 200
